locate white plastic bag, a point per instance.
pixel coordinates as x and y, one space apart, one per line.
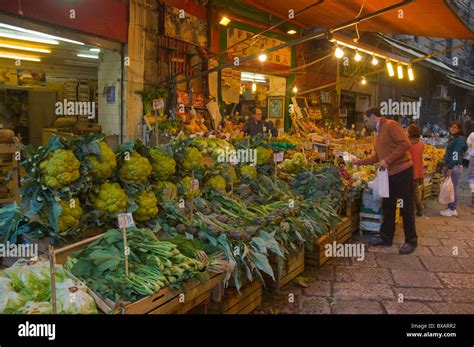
381 188
446 192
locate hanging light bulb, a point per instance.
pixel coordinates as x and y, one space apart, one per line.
357 56
339 53
295 89
262 57
363 81
375 61
400 71
411 75
390 70
254 87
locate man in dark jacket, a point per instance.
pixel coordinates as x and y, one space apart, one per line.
391 147
257 126
468 125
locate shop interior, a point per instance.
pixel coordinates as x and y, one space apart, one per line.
38 70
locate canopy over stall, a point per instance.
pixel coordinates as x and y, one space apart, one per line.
433 18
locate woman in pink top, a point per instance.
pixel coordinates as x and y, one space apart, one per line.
416 151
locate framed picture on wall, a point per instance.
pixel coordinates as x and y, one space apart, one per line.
276 106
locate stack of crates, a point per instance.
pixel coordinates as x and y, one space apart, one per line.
9 183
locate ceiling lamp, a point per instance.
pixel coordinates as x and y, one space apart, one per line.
291 32
375 61
19 57
391 71
262 58
28 38
400 71
224 21
357 56
295 89
38 33
363 81
254 87
24 48
411 76
90 56
97 50
339 53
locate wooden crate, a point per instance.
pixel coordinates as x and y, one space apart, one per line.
427 190
166 301
9 189
341 233
352 206
285 272
355 218
233 302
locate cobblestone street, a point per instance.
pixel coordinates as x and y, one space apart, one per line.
437 278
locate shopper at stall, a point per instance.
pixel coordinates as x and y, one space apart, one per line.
391 152
468 125
453 160
257 126
416 151
470 143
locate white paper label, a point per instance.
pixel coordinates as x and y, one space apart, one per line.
278 157
125 220
194 185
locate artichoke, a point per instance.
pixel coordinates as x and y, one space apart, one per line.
147 206
136 169
163 166
70 216
103 168
110 198
59 169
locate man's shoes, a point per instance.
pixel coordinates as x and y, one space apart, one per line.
449 213
407 249
378 242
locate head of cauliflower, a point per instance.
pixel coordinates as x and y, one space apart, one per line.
166 191
71 213
103 167
163 166
60 168
263 155
135 168
193 159
217 183
248 171
230 175
186 184
147 206
111 198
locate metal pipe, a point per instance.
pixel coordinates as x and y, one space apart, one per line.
303 39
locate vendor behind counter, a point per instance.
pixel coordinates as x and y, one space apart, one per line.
257 126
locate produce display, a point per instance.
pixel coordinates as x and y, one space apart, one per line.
432 157
25 288
186 194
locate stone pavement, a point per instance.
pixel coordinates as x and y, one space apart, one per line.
437 278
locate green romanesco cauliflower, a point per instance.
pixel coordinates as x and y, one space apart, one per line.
193 159
136 169
166 191
248 171
111 198
147 206
103 168
60 168
217 183
71 213
263 155
186 184
163 166
230 175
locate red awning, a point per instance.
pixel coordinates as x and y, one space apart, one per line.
431 18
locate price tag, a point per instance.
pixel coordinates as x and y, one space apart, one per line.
125 220
194 185
322 155
158 104
278 157
315 148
